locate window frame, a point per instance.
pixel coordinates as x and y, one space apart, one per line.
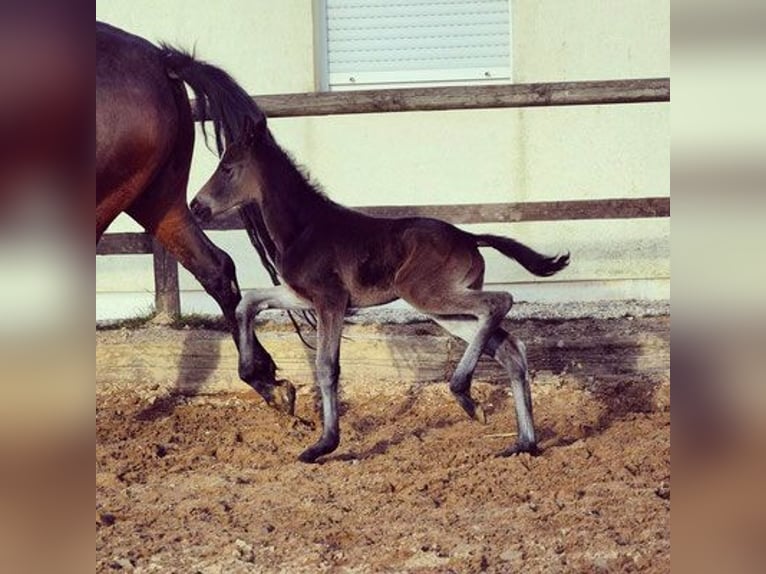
325 81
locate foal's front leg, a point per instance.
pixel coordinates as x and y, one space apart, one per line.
256 366
329 328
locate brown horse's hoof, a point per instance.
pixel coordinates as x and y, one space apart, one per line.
283 397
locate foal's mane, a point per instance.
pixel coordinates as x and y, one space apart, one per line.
306 193
306 196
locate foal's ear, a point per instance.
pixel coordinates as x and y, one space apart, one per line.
253 128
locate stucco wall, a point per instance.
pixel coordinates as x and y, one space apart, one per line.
449 157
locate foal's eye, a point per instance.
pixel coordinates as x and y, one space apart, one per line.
226 169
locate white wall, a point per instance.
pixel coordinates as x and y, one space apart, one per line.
448 157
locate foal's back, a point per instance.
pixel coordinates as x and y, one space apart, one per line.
378 259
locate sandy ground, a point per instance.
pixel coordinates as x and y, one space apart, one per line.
211 484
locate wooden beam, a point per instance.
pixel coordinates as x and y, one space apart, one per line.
536 211
509 212
466 97
125 244
167 299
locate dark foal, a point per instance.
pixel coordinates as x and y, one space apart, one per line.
333 258
144 144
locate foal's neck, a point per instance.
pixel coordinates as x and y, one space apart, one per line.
290 203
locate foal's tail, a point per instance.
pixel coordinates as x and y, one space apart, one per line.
218 97
530 259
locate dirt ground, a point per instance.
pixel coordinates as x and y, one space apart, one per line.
211 484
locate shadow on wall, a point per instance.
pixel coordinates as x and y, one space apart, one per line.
621 363
198 362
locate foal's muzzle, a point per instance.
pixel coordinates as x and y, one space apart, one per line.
201 212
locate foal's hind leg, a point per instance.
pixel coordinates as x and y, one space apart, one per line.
489 308
510 352
496 306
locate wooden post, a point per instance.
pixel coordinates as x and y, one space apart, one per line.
167 297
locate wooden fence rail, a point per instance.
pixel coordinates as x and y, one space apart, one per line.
466 213
465 98
167 298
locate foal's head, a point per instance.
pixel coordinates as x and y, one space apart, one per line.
239 177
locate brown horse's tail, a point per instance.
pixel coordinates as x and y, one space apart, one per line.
218 97
528 258
221 100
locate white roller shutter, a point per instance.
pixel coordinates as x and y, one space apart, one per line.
416 41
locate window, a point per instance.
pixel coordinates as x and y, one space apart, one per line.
366 43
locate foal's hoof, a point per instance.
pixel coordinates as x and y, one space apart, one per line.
471 407
521 448
319 449
309 455
283 397
479 415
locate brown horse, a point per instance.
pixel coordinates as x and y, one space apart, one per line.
333 259
144 142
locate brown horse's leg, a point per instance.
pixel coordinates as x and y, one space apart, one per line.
177 230
175 227
113 201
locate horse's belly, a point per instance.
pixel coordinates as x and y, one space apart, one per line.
372 297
